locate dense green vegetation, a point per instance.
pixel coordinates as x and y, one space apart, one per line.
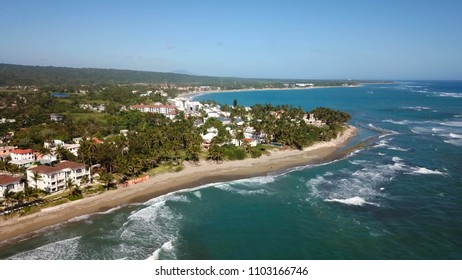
13 75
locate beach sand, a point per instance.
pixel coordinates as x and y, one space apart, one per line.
192 175
193 94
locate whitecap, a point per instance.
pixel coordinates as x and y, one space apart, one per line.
396 148
426 171
59 250
437 130
262 180
355 201
456 142
418 108
456 124
454 135
381 144
450 94
403 122
197 194
80 218
167 248
243 192
396 159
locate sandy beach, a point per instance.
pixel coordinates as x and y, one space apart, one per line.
197 93
192 175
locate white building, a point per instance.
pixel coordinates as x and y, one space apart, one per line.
53 145
14 184
53 178
22 157
312 120
187 105
166 110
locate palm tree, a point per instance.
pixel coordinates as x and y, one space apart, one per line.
29 193
69 185
36 177
215 152
107 179
72 187
8 196
84 181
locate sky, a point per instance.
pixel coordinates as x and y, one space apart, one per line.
305 39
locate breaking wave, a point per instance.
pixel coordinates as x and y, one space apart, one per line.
365 184
59 250
355 201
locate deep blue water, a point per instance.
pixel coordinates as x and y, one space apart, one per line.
398 197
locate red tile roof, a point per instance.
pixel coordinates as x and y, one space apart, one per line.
96 140
45 169
5 179
22 152
140 106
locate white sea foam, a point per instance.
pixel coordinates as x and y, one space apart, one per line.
418 108
454 135
437 130
166 248
403 122
368 182
197 194
456 142
396 159
261 180
240 191
450 94
356 201
59 250
426 171
382 143
396 148
155 224
453 123
358 162
80 218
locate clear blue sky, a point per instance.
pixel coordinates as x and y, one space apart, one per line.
274 39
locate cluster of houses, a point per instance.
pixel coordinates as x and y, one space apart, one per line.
49 178
53 178
194 108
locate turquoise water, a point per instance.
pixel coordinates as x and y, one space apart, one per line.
398 197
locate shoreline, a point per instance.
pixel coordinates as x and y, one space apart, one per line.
199 93
193 175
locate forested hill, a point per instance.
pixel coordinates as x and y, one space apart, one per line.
14 75
11 74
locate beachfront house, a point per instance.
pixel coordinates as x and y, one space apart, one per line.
11 183
54 178
22 157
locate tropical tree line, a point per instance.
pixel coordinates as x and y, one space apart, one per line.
158 140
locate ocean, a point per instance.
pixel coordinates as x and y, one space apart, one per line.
396 194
